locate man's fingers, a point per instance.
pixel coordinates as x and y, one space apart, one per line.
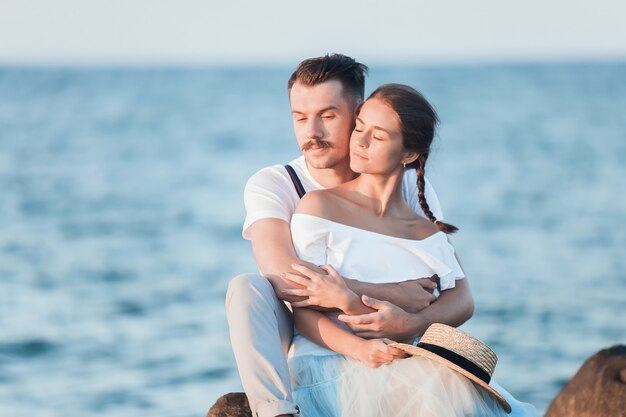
359 319
331 271
298 279
427 284
303 303
366 334
374 303
301 292
307 272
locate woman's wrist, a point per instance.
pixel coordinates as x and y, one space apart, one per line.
356 348
350 302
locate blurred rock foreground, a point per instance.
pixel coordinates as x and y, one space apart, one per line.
597 390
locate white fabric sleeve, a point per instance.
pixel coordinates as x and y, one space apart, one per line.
268 194
448 255
409 189
310 239
440 257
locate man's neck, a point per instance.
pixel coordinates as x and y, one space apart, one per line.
332 177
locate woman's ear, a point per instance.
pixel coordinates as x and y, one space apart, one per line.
410 157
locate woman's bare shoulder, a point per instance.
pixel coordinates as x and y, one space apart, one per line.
420 227
316 203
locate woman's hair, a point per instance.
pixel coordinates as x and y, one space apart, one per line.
418 120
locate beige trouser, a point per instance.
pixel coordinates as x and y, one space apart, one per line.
261 329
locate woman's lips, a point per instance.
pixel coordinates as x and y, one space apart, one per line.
358 155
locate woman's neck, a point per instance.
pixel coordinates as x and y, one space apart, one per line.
383 194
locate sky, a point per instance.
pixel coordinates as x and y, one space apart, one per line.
195 32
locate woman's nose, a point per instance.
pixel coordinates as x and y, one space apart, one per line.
360 140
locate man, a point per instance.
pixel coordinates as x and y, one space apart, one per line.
324 94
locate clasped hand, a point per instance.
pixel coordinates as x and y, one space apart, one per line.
387 321
376 352
328 291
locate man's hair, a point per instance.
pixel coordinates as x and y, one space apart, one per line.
346 70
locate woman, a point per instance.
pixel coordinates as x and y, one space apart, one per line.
365 230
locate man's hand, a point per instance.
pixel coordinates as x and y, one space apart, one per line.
412 295
388 321
416 294
323 290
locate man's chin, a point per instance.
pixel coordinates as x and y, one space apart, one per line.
317 161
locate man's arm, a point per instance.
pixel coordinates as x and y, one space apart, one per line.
274 255
412 295
453 307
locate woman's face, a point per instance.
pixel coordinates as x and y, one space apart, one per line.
376 141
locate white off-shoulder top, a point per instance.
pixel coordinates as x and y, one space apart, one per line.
369 257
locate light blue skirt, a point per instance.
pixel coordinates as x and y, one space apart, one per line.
336 386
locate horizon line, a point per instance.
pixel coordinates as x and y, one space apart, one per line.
281 64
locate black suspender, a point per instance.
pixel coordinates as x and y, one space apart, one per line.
296 181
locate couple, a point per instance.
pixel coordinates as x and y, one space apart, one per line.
374 234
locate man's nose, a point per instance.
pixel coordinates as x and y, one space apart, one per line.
314 129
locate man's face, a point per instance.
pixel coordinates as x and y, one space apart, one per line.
323 118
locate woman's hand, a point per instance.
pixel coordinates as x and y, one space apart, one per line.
329 291
376 352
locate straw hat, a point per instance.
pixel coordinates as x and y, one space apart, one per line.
459 351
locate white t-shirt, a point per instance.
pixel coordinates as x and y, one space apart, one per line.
270 193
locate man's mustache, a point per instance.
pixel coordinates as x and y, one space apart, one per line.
317 143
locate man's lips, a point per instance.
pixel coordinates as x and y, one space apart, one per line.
316 149
315 145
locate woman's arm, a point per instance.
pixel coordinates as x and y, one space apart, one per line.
318 328
453 307
329 290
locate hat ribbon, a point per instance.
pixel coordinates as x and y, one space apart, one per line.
458 360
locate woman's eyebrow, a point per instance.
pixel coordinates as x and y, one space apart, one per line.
358 119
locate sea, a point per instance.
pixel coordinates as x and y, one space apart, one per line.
121 207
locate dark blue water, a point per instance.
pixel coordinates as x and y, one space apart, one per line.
121 207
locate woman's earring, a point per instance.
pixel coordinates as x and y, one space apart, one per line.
404 164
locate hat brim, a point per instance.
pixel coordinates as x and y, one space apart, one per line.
418 351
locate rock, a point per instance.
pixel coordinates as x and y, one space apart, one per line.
597 390
233 404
